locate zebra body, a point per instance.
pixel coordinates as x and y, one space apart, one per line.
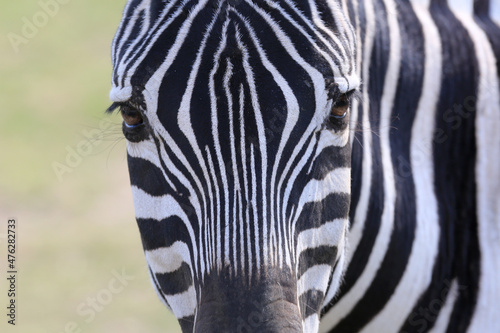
265 202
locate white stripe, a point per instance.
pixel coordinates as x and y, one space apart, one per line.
254 205
315 278
246 186
464 6
329 234
336 181
495 11
168 259
217 145
235 176
445 310
156 207
311 323
331 138
183 305
243 224
486 318
418 273
420 3
215 211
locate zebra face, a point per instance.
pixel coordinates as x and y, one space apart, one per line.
236 115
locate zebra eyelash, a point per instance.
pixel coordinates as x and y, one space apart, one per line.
119 105
112 108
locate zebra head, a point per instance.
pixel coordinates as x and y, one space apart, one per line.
236 115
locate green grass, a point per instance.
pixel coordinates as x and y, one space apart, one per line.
76 230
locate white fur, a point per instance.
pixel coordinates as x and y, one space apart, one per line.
183 305
495 11
486 318
421 3
337 181
311 323
464 6
443 318
315 278
168 259
329 234
118 94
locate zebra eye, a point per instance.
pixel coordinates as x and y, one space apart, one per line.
340 107
131 117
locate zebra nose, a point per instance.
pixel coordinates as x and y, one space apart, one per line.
278 317
232 306
241 317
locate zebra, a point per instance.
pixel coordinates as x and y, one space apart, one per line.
298 160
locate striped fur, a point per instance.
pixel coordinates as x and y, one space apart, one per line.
242 179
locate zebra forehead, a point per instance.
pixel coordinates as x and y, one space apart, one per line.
150 40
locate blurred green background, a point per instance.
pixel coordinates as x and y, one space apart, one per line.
70 194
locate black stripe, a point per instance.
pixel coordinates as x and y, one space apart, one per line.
310 302
186 323
175 282
482 7
329 159
156 234
314 214
147 176
454 159
321 255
